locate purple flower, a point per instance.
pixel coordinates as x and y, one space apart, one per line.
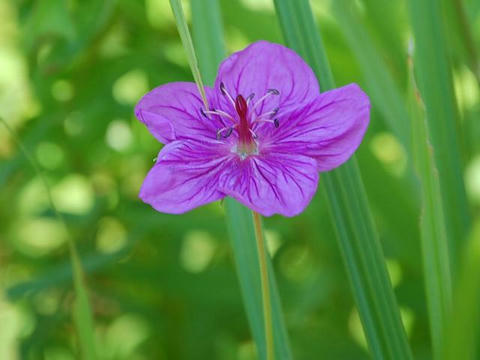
267 134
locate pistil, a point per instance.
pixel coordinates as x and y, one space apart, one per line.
246 143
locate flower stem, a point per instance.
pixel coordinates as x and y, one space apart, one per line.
267 308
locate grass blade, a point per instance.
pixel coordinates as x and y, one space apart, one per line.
356 234
380 83
435 83
208 37
82 313
461 339
436 262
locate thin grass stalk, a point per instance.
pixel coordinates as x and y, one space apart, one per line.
434 77
436 259
461 340
266 301
82 313
348 205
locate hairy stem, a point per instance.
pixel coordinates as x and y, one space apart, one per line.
267 308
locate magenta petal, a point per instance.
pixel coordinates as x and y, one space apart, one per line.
283 184
184 177
172 112
329 129
263 66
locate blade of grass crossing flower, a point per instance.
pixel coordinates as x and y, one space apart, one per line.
208 36
206 23
436 262
82 313
463 329
436 87
182 27
353 222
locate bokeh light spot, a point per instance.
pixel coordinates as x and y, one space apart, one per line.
119 135
49 155
390 152
39 236
130 87
395 272
111 235
74 194
296 263
197 251
472 179
123 337
62 90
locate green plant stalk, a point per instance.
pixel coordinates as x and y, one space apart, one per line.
436 261
82 313
266 302
348 205
435 83
182 27
208 35
463 328
381 85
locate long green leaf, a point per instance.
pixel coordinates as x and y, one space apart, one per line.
82 313
347 200
436 262
435 83
380 83
461 338
208 37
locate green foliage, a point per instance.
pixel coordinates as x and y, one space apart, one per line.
169 287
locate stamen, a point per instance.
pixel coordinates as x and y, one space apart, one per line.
253 133
217 112
225 132
250 97
270 115
224 92
228 130
267 94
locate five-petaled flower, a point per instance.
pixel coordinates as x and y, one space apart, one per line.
266 135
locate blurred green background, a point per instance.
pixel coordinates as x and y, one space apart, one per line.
164 286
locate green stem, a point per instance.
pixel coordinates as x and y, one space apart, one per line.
182 26
267 308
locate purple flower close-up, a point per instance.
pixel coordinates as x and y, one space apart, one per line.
265 137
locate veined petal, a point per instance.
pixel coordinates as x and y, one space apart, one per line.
172 112
263 66
283 184
328 129
185 176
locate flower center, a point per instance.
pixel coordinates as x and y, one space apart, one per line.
244 121
246 143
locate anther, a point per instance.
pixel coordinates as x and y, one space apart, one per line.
203 113
250 97
224 92
220 133
273 91
274 112
276 123
222 89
